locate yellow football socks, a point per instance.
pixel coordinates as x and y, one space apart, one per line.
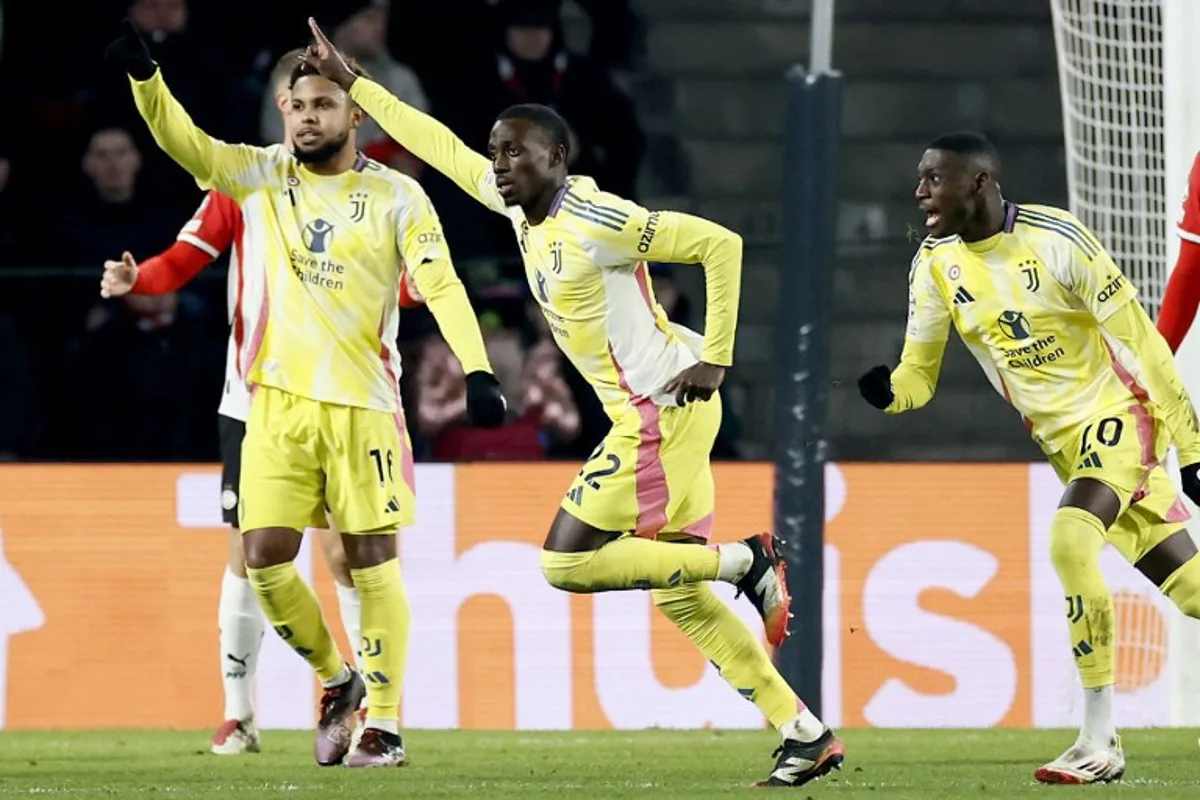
1183 587
724 640
289 604
631 563
385 621
1076 538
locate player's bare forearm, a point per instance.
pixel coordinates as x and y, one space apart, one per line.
1153 366
423 136
914 381
172 127
447 300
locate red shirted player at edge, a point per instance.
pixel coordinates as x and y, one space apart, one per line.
1183 288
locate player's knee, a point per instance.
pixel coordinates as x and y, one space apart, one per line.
370 549
565 571
1067 553
259 554
1076 537
269 547
568 534
1183 587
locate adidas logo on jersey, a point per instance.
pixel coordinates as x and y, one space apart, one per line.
962 296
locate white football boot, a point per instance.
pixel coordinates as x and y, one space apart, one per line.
1085 762
235 737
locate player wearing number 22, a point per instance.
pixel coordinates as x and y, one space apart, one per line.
327 235
1060 334
640 512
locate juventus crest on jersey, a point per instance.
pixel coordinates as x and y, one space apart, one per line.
321 259
1029 303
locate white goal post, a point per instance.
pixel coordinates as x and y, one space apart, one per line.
1131 126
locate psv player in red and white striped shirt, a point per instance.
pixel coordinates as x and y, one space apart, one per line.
217 226
1183 288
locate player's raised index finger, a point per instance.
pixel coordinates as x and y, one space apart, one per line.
317 33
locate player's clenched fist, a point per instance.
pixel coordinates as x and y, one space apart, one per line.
700 381
876 387
130 53
486 406
119 276
1189 478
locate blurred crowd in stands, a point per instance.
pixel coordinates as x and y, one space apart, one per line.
138 378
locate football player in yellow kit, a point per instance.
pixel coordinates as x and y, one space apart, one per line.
639 514
1060 334
328 235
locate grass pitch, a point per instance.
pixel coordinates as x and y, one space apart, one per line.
606 766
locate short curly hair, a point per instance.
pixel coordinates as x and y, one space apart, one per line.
544 117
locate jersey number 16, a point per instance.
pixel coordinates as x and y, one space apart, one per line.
379 457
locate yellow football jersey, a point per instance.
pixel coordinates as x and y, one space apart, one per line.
1030 303
586 266
322 258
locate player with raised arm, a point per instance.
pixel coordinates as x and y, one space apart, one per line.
217 226
640 512
1060 334
326 235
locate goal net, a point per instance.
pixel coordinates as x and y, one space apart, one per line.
1131 125
1111 78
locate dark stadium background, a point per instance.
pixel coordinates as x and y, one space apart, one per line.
678 103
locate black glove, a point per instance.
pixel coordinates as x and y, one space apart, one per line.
876 386
131 54
485 403
1189 476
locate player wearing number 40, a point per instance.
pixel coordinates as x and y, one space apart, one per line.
327 236
1060 334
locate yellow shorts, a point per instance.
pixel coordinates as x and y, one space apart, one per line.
301 457
1125 451
651 474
